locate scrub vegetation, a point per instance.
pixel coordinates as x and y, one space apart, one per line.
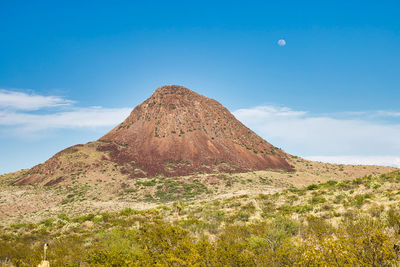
335 223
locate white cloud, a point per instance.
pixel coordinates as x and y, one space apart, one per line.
267 112
391 161
303 134
28 114
281 42
23 101
76 118
388 113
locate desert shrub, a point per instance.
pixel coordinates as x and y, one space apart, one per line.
115 258
26 226
344 185
281 229
331 183
220 233
48 222
338 198
268 206
83 218
357 181
303 208
127 212
277 242
63 217
192 224
219 215
372 249
376 210
336 214
239 216
326 207
393 219
170 190
147 183
312 187
317 200
286 209
317 226
249 207
167 244
359 200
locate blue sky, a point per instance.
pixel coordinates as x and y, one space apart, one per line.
71 70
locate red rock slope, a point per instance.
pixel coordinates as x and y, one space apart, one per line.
180 126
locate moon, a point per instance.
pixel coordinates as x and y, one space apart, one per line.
281 42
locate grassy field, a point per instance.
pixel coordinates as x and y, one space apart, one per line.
333 223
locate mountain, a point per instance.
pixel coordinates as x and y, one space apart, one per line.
175 132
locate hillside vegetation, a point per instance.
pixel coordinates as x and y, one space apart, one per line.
106 189
335 223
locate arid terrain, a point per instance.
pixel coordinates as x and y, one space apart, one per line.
181 168
111 192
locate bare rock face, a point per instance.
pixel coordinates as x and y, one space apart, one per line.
177 131
173 133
